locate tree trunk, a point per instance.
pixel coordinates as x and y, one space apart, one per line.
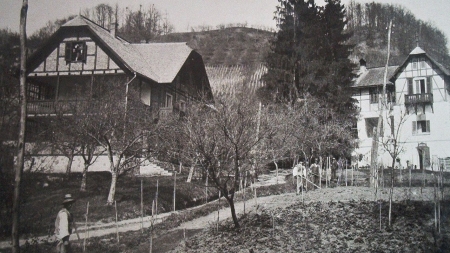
112 189
276 167
18 167
84 177
233 210
69 164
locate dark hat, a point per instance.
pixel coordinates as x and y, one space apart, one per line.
68 199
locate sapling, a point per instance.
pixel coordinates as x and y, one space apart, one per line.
117 226
86 227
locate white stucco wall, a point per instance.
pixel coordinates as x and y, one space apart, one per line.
438 139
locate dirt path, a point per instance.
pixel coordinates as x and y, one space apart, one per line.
173 237
342 194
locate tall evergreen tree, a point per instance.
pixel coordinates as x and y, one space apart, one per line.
309 55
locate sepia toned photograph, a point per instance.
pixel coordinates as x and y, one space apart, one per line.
238 126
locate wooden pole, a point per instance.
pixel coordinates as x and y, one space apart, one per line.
380 214
256 200
174 190
151 242
142 205
206 187
153 210
352 173
218 208
346 172
86 227
156 199
117 226
18 166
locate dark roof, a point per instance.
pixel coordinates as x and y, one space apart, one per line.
159 62
374 77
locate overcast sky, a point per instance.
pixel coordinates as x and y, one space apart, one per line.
193 13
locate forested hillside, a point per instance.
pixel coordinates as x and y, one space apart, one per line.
231 46
368 23
226 46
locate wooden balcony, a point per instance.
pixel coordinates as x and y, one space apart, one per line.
418 98
164 112
51 107
421 99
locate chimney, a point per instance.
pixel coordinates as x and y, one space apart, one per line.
112 29
362 66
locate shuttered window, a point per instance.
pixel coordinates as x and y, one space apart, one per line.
429 85
420 127
410 86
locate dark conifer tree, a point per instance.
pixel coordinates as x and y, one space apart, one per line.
309 55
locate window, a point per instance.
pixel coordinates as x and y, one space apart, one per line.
390 94
76 52
373 92
420 127
422 63
423 85
354 129
39 92
420 85
371 123
168 100
414 64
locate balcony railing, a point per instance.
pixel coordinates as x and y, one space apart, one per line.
49 107
422 98
164 112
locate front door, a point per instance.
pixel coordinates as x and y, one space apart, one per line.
424 156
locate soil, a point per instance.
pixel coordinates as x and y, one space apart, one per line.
283 208
343 219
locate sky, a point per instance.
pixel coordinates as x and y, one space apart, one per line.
185 14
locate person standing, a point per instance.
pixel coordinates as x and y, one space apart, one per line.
64 225
334 168
314 168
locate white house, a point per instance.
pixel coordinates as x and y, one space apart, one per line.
416 115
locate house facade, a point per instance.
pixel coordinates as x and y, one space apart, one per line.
74 64
415 115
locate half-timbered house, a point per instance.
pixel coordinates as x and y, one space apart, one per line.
416 115
72 65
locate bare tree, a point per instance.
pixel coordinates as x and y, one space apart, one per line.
223 138
394 146
104 14
121 121
18 167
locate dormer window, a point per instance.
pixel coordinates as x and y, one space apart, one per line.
76 51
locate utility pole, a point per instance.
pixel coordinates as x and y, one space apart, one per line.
381 105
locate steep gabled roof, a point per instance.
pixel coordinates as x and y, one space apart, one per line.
419 51
374 77
159 62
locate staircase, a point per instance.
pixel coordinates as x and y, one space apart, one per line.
149 169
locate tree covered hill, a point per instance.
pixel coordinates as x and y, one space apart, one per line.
231 46
368 23
226 46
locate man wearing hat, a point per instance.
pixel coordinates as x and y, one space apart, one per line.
64 225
